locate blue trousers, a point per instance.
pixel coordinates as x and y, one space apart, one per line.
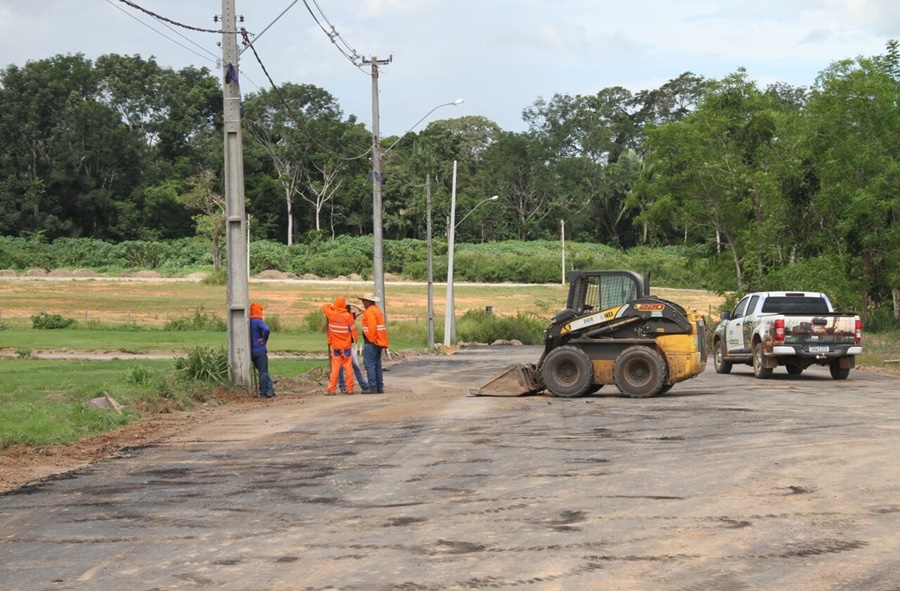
372 361
261 363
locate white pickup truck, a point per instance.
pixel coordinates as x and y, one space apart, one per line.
793 329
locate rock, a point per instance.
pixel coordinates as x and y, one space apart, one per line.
106 401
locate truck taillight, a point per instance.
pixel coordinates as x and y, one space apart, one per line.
858 330
779 330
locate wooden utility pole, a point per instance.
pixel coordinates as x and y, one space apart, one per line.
235 230
377 181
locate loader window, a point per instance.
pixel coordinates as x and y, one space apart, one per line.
602 292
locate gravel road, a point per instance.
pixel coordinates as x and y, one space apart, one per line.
725 483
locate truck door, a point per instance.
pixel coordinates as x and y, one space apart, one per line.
734 330
749 324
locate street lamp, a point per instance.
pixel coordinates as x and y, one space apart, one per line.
377 179
450 307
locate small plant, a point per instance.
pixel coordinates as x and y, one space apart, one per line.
219 277
204 364
139 376
484 327
314 321
4 326
45 321
23 353
202 320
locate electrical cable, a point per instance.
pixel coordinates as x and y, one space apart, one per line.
215 59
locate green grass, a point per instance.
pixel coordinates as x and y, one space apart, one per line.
406 336
879 348
46 402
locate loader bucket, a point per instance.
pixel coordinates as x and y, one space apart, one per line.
515 380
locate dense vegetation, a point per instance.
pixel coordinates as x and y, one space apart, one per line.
753 187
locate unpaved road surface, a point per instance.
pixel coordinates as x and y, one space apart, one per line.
726 483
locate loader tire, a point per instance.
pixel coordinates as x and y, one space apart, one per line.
567 372
639 372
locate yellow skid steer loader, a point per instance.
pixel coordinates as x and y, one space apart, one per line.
611 332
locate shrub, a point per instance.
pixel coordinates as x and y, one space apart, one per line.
45 321
201 320
314 321
481 326
207 365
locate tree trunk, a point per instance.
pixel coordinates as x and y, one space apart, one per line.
290 216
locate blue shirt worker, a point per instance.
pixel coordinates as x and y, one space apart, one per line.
259 354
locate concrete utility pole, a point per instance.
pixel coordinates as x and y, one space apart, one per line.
430 263
235 231
377 180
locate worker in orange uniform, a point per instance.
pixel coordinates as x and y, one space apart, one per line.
341 331
376 341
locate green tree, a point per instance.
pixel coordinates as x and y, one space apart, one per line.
857 142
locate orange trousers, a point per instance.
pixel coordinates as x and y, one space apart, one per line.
341 358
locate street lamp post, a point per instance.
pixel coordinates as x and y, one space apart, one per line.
450 307
378 154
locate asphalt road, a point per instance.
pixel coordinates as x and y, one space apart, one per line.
725 483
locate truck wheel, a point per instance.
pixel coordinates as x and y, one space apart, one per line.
722 366
759 369
567 371
639 372
838 372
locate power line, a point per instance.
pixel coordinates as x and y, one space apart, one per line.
170 21
214 58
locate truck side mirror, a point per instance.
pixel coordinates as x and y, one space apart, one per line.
726 315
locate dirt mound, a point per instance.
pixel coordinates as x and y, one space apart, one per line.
36 273
8 273
61 273
273 274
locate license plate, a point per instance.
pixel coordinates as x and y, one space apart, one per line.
818 349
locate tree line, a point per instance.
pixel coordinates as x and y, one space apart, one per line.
773 185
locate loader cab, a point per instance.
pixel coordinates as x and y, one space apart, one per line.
592 291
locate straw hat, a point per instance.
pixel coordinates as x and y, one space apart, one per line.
370 297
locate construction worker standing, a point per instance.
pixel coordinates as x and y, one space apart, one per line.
376 341
341 327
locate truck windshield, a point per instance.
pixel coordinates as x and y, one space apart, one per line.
795 305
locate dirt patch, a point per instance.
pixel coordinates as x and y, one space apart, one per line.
23 464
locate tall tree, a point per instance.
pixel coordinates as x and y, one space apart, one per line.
854 105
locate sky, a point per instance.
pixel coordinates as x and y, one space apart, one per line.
499 56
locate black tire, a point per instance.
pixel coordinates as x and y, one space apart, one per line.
719 362
759 370
664 389
593 388
838 372
794 369
567 372
639 372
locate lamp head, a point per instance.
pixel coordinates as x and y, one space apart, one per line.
494 198
458 101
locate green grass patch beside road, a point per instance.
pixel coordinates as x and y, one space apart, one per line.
47 402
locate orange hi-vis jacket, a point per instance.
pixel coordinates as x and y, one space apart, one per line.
341 325
374 329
